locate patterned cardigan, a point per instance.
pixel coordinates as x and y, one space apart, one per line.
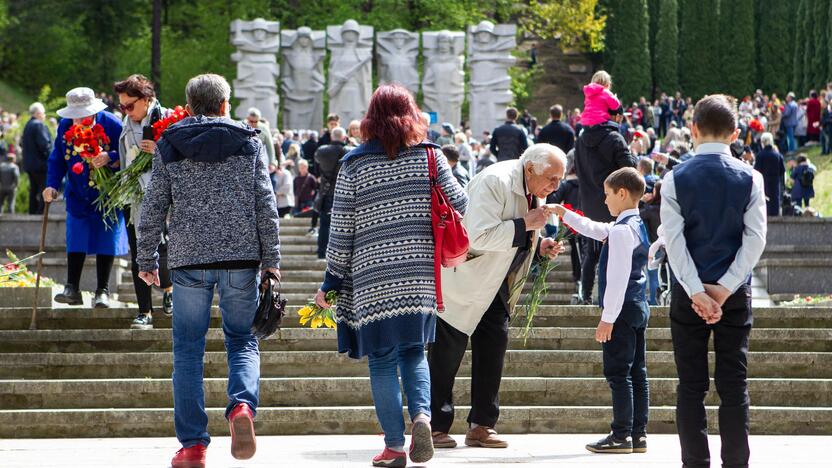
380 252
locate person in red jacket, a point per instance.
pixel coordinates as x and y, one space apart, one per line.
813 109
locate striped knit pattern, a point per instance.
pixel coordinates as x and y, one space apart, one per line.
381 246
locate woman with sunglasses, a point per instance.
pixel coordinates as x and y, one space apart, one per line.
138 103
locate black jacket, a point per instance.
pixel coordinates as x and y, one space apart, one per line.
328 162
508 141
568 192
37 144
599 151
559 134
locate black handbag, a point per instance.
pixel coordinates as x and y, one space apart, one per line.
270 310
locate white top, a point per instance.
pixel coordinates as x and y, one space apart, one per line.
622 240
753 236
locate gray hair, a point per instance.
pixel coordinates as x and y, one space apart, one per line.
539 156
206 93
338 134
254 112
35 108
767 139
303 162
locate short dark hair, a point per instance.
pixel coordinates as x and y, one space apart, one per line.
813 94
451 152
556 112
802 159
333 118
511 113
629 179
716 115
137 86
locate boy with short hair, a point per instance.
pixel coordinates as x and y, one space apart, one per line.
621 286
714 218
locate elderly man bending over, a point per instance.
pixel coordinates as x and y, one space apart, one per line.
504 217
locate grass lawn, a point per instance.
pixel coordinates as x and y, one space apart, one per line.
12 99
823 180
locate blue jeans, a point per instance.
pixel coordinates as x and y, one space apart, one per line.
791 143
387 395
193 292
653 286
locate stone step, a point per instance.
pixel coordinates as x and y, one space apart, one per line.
798 230
796 276
321 339
355 391
64 318
518 363
158 422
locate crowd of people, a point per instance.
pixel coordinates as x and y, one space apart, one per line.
625 179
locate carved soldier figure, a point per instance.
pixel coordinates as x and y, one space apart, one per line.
397 52
489 54
443 85
257 44
303 78
350 69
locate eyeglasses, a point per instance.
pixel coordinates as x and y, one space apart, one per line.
129 107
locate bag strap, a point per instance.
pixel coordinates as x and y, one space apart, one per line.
432 172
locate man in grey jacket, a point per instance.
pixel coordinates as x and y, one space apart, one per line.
210 174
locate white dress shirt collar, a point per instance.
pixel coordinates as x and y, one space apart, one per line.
625 213
713 148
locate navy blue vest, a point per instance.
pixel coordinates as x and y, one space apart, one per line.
713 191
634 309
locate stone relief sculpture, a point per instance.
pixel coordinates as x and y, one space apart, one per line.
303 54
350 69
397 52
257 44
443 84
489 55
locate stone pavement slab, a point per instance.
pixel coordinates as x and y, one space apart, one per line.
562 451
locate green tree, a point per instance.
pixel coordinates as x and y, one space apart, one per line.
775 56
577 23
737 65
819 71
800 38
666 47
627 54
698 48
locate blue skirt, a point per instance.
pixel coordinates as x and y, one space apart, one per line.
89 235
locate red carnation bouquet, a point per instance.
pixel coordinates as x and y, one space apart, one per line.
88 140
756 126
127 188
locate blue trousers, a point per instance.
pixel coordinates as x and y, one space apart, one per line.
385 364
193 292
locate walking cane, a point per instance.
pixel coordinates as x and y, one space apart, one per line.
33 325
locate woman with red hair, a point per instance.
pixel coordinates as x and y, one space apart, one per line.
380 261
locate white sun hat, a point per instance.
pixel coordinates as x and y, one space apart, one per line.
80 103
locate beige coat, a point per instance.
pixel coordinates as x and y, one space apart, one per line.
497 196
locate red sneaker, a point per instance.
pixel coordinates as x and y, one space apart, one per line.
390 459
191 457
241 424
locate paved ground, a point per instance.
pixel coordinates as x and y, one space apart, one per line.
562 451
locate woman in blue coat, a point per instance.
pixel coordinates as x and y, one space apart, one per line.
86 233
803 188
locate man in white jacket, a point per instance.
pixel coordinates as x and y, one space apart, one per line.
505 214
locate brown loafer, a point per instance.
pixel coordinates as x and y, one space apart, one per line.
443 440
486 437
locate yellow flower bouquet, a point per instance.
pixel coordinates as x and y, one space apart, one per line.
317 316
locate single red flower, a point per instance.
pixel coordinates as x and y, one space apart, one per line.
87 121
77 168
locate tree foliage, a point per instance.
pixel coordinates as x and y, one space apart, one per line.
577 23
698 48
800 39
737 65
818 62
775 58
627 54
666 46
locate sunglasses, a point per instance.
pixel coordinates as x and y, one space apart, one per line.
129 107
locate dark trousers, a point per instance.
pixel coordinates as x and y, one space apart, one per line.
690 348
143 290
75 266
37 182
7 199
323 231
488 349
590 254
575 257
625 369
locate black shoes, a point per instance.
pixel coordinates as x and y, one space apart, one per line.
640 443
167 303
142 322
610 444
102 299
70 296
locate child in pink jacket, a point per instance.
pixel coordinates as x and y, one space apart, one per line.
598 100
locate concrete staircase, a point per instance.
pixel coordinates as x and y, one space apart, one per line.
85 374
